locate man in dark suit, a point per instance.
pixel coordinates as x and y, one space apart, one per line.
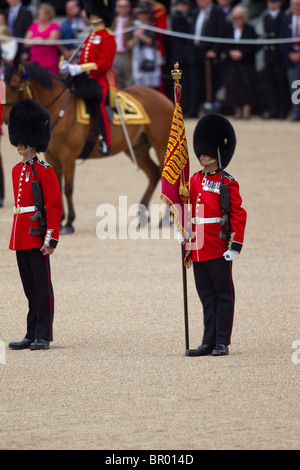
291 50
181 23
19 19
207 20
277 94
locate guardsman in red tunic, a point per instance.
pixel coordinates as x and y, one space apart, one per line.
29 131
217 231
96 60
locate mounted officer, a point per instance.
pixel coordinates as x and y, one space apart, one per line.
90 74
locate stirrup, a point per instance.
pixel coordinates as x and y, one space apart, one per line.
103 148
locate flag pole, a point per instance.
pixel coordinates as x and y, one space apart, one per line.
176 74
185 300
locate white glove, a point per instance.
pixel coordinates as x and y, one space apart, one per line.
180 238
64 68
230 255
69 69
74 69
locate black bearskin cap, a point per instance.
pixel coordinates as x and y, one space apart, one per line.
104 9
29 124
214 131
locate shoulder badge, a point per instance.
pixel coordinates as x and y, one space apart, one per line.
227 175
96 39
45 164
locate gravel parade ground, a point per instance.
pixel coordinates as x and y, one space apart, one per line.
116 376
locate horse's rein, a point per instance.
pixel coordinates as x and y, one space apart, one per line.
25 80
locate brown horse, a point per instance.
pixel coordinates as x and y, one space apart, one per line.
68 137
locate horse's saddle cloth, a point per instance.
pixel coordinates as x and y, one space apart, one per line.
131 110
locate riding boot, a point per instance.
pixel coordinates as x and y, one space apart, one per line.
103 147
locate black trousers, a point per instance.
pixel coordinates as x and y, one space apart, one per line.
277 90
35 274
91 92
198 93
1 179
215 288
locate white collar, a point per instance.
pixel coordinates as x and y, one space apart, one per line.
16 8
274 13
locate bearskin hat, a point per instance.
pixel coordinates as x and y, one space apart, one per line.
29 124
104 9
214 131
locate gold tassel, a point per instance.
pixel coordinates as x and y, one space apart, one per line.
183 190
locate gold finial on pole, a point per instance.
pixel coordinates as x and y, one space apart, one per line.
176 74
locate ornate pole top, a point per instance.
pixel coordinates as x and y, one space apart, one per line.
176 72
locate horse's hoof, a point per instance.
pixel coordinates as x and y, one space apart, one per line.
143 220
66 230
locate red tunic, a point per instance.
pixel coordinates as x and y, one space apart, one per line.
22 177
205 203
100 48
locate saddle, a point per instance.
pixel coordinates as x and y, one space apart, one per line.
121 107
130 110
133 112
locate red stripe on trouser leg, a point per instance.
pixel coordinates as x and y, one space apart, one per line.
232 296
50 298
105 117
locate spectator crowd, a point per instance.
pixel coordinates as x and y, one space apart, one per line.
217 75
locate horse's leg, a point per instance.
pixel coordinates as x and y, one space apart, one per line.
68 169
160 147
149 167
56 165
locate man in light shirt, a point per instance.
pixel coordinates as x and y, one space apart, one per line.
291 51
122 63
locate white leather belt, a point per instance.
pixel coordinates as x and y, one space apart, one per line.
207 220
23 210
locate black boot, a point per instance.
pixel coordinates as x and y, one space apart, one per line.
24 344
203 350
220 350
39 344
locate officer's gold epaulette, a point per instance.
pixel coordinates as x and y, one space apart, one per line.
45 164
227 175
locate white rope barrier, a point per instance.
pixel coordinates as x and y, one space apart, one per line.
167 32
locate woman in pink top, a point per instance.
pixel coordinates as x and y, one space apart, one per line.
45 55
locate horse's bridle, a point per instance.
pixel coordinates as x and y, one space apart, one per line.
24 80
24 76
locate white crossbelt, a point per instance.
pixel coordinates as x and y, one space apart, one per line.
23 210
207 220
